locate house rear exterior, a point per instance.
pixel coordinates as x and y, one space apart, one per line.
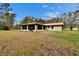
41 27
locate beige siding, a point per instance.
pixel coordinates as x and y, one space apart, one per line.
57 28
49 28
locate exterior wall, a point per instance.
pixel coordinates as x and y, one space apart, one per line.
75 28
57 28
49 28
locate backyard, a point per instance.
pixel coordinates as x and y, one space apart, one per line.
43 43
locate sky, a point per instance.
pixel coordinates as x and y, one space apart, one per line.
41 10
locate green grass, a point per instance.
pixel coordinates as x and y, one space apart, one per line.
39 43
72 37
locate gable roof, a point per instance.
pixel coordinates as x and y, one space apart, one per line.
47 24
32 23
59 23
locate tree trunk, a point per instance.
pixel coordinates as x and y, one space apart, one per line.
71 27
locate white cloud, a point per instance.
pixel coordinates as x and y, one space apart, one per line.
11 12
57 13
51 14
45 6
59 7
52 8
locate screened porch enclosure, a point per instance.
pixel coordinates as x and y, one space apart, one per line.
33 27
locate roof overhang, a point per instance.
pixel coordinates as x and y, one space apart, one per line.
33 23
48 24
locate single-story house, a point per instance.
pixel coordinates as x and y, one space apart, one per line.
41 27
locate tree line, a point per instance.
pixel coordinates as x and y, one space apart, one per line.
8 18
70 19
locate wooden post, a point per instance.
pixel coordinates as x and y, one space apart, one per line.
50 28
42 27
36 28
21 27
27 27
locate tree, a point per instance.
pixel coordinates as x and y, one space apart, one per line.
7 16
26 20
5 8
10 19
70 19
29 19
17 26
41 20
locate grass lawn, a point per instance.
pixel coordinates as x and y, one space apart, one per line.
39 43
